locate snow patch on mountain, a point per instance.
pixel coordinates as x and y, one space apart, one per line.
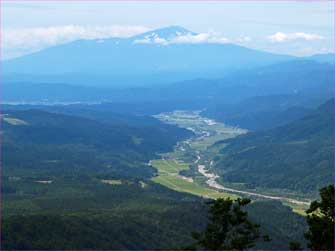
178 35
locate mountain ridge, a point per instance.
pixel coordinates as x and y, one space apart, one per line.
123 57
297 156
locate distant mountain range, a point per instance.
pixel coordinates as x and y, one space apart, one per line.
158 56
303 83
323 58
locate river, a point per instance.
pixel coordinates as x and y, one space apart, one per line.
211 182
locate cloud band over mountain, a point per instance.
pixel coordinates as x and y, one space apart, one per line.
20 41
32 39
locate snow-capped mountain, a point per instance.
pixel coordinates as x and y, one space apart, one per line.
162 55
166 33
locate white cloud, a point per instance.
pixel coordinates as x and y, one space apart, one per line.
145 40
209 37
153 38
158 40
32 39
280 37
245 39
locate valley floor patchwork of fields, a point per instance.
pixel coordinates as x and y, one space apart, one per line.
194 157
185 154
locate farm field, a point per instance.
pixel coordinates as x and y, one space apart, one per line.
207 131
168 175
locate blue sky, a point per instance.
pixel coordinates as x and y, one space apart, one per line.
289 27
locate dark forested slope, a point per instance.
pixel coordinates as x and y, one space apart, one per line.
298 156
43 140
262 112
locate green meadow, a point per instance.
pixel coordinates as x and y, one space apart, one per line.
168 175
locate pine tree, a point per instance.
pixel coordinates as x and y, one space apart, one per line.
320 219
228 228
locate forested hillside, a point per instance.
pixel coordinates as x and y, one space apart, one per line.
297 156
84 213
263 112
39 140
76 182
